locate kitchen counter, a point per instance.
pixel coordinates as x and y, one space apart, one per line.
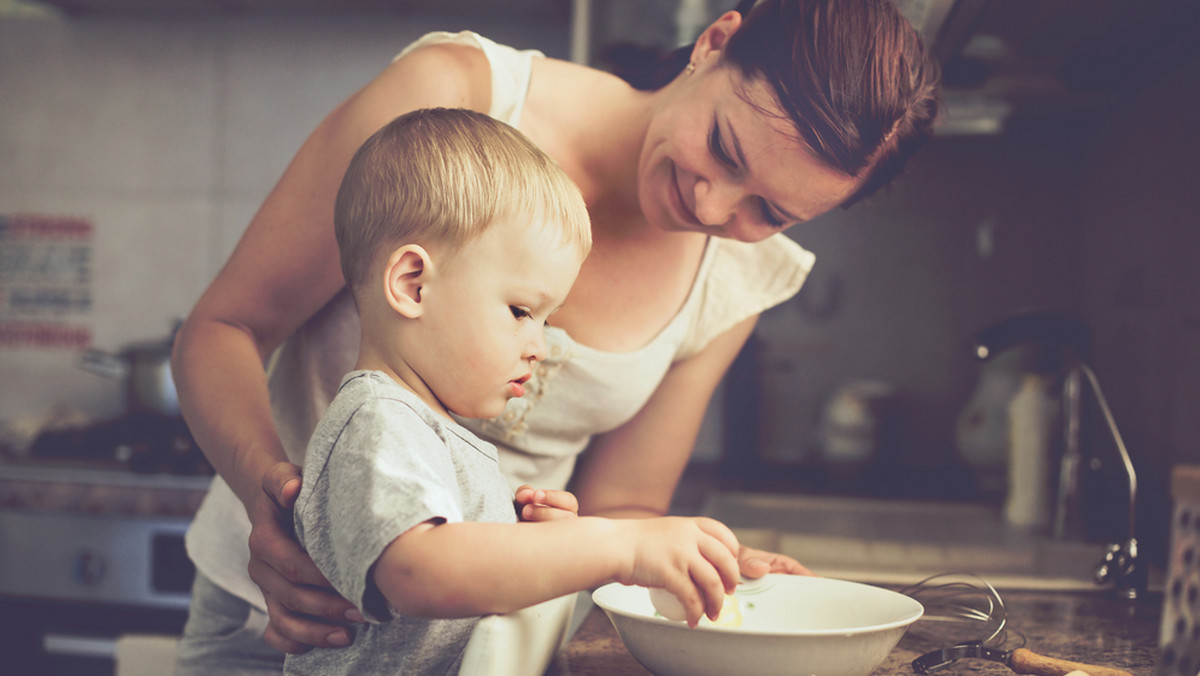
1093 627
80 488
900 542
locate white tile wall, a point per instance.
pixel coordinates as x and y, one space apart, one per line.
167 132
281 77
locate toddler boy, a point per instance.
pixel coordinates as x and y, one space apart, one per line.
459 239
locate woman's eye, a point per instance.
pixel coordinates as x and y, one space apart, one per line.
770 217
718 151
517 312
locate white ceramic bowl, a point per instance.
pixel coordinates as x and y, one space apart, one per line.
790 625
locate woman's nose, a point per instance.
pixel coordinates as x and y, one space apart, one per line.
717 201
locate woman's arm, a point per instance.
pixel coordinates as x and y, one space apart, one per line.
435 570
285 269
633 470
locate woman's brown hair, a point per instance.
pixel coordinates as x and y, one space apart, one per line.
852 76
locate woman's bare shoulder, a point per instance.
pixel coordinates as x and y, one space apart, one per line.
571 97
437 74
555 76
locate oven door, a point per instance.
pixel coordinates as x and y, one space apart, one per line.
71 585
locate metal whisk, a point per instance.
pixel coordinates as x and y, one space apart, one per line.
966 607
966 616
961 609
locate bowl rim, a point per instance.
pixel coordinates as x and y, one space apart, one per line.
917 612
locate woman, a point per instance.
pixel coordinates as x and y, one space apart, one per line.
803 106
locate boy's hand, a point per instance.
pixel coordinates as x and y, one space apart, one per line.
545 505
696 559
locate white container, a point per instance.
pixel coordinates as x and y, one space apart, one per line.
1032 415
854 420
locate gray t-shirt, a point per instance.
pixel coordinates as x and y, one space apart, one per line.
380 462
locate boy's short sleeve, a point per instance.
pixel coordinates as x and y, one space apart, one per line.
386 472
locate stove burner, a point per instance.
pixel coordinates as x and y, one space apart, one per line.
144 442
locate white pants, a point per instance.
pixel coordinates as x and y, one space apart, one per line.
224 635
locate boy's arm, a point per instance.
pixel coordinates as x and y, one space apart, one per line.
436 570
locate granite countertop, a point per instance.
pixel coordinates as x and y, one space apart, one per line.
98 489
1094 628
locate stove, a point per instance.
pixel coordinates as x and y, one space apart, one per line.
90 551
145 442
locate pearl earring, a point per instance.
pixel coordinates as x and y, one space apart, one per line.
691 67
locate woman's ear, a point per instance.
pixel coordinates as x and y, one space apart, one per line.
714 37
406 271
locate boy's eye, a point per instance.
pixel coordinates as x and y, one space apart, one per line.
517 312
715 147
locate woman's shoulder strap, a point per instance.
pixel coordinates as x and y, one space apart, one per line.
510 69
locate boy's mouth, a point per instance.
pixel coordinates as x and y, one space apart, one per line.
517 387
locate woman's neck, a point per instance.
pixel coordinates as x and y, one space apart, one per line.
611 147
593 124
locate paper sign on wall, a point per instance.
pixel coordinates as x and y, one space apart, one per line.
45 282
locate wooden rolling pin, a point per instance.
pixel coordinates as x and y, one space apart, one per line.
1025 661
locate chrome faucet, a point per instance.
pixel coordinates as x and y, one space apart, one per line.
1069 337
1120 566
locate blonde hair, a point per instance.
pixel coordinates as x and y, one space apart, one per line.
442 176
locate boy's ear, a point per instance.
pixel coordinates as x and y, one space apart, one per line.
406 271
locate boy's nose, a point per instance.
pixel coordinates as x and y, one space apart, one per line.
536 350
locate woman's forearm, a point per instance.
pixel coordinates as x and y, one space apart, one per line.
218 371
628 512
633 470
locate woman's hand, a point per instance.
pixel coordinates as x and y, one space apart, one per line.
545 505
290 581
755 563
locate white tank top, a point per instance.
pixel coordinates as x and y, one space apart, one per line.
575 393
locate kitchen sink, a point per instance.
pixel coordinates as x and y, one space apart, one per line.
903 542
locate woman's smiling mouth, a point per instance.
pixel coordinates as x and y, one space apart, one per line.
686 216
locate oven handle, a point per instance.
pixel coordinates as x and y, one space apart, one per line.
80 646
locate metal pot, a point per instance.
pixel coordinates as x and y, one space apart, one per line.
146 369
